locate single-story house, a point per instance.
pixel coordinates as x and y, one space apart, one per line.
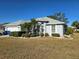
75 29
47 25
51 26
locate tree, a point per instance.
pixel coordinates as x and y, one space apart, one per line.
33 21
59 16
5 23
53 17
26 26
35 26
69 31
30 27
75 23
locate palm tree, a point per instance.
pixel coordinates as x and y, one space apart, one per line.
35 26
31 27
26 27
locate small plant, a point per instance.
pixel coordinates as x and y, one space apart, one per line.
46 34
33 34
41 34
26 35
69 31
55 35
15 34
23 35
1 34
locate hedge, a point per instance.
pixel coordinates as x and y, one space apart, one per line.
55 34
16 34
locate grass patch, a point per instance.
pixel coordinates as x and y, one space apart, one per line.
13 48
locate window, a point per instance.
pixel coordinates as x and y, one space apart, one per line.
53 28
42 29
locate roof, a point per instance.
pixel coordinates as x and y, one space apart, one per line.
72 27
16 23
50 20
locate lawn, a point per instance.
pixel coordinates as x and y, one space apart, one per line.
39 48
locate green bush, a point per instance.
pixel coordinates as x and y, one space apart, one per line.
41 34
16 34
32 35
21 32
1 34
69 31
46 34
26 35
55 35
23 35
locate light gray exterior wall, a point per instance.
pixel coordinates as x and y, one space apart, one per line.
13 28
49 29
59 29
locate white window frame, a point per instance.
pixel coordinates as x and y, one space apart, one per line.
53 28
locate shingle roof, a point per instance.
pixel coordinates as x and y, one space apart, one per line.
50 20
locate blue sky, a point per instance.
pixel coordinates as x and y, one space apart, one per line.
13 10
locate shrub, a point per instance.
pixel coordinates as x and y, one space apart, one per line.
15 34
33 35
26 35
41 34
23 35
30 34
1 34
69 31
55 35
46 34
21 32
77 31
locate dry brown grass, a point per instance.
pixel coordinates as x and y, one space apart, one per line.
44 48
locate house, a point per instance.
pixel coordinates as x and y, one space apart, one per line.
51 26
1 28
75 29
47 25
14 26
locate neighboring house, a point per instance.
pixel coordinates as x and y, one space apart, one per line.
75 29
50 26
1 28
14 27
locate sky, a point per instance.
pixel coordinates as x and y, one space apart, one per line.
14 10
